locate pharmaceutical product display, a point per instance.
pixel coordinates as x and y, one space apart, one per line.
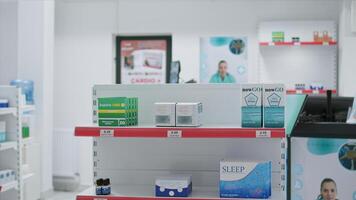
27 88
251 105
25 126
4 103
165 114
118 111
2 131
245 179
273 105
278 36
103 187
7 176
189 114
173 186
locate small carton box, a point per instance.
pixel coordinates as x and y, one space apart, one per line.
2 131
273 105
251 105
245 179
189 114
165 114
117 111
173 186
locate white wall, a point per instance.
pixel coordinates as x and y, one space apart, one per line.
83 57
26 52
347 61
35 62
8 41
83 54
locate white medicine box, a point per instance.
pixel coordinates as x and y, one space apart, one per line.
165 114
189 114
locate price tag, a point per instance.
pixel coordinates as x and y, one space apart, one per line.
315 91
107 133
325 43
297 43
271 44
299 91
100 199
174 133
263 133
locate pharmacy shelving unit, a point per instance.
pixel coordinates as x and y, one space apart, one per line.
11 151
132 157
311 60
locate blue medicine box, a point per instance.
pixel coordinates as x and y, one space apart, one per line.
242 179
173 186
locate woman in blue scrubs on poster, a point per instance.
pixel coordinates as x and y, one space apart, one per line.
222 76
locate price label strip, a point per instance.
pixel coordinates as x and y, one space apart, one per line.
106 133
263 133
174 133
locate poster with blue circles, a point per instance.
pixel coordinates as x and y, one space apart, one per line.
323 169
223 59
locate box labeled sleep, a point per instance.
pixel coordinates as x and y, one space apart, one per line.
245 179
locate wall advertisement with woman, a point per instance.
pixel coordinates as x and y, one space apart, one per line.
323 169
223 60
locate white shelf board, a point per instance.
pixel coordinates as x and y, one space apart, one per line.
8 186
7 145
25 177
148 192
28 108
7 111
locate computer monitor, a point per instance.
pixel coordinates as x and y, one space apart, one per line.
174 72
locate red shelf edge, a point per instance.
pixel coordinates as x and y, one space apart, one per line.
309 91
158 132
297 43
80 197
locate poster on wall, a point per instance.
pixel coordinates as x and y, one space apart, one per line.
143 59
223 60
323 169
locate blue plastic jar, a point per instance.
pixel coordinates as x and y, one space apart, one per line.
27 88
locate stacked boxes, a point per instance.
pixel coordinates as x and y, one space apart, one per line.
118 111
245 179
277 36
251 105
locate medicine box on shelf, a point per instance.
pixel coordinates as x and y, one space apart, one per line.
173 186
165 114
189 114
2 131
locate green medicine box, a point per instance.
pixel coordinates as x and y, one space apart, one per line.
117 111
278 36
